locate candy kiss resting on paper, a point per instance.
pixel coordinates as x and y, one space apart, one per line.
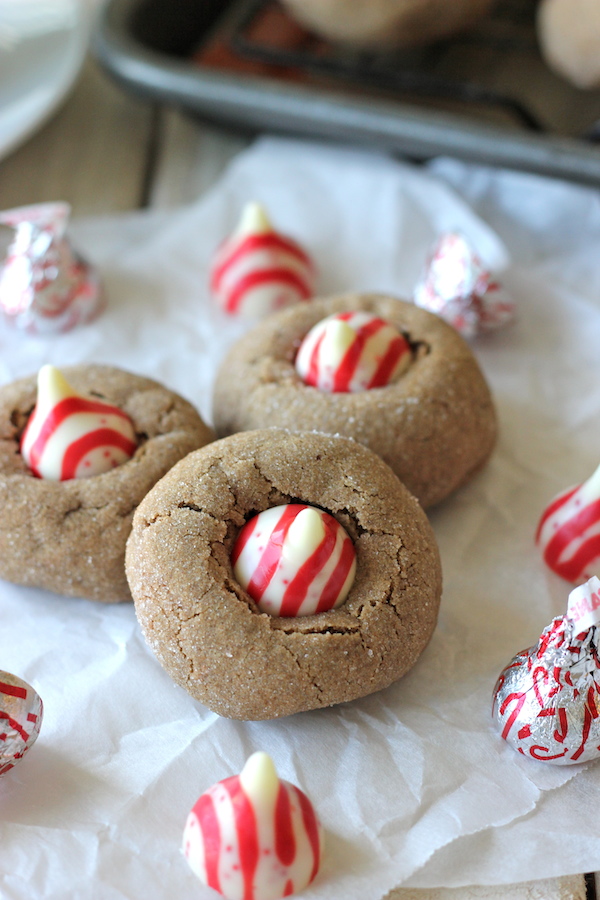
257 270
45 285
547 700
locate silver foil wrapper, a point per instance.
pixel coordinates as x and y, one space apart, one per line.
546 702
21 712
457 287
45 286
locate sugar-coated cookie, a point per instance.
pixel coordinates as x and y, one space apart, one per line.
204 627
435 425
69 536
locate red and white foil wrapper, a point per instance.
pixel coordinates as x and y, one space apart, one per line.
45 286
21 712
547 700
253 836
351 352
72 436
257 271
458 288
568 533
294 560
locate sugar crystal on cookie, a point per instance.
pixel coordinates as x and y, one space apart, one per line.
294 560
352 351
254 836
72 436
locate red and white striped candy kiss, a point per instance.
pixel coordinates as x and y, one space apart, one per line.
294 560
21 711
257 271
352 351
252 836
569 532
72 436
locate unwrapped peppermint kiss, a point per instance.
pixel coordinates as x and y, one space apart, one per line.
351 352
257 270
294 560
21 711
568 533
72 436
457 286
252 836
45 286
547 700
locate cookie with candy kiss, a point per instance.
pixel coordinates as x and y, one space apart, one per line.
204 626
352 351
568 533
69 536
546 702
257 270
21 712
457 286
434 422
294 560
72 436
253 836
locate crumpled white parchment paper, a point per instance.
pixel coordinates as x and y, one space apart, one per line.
413 785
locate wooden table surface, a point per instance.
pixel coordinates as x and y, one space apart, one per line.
105 152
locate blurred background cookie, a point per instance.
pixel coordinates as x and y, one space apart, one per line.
569 36
387 23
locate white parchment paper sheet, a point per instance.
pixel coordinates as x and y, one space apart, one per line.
412 784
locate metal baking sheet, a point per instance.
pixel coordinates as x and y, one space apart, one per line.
528 119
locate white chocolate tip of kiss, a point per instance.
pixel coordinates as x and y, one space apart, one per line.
254 220
305 533
337 338
591 488
52 387
259 778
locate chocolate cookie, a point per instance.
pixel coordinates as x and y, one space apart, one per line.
206 630
435 426
69 536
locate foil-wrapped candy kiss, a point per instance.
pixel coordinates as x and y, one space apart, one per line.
21 712
546 702
45 286
457 287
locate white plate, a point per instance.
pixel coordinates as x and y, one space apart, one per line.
42 46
